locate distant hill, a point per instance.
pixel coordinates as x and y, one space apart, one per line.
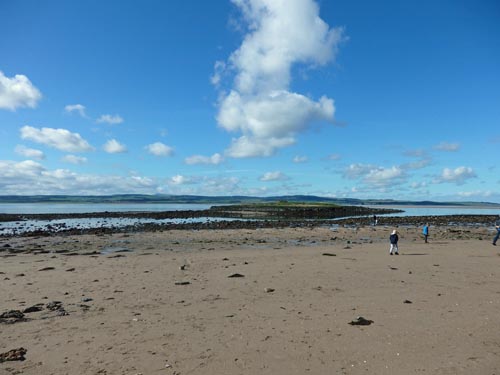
236 199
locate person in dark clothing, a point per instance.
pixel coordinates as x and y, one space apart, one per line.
497 227
393 238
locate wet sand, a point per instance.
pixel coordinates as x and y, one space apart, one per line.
163 302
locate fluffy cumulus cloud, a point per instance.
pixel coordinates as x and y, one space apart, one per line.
376 176
74 159
114 147
457 176
159 149
60 139
29 152
17 92
260 105
78 108
274 176
448 147
215 159
30 177
110 119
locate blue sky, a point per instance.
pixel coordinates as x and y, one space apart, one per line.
362 99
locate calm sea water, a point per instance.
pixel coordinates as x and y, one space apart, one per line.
71 208
50 208
9 228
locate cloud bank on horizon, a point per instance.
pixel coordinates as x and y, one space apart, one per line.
266 124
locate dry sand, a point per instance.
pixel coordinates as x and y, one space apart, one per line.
435 308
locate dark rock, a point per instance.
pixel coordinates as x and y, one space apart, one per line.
360 321
70 269
407 301
236 275
47 269
182 282
54 305
329 254
12 316
13 355
269 290
34 308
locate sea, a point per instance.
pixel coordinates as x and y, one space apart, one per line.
19 227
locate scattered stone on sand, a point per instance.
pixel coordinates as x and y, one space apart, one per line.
182 282
347 247
13 355
236 275
407 301
269 290
46 269
34 308
329 254
70 269
54 305
183 267
393 268
360 321
12 316
87 299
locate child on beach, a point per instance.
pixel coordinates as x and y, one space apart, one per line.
393 238
425 232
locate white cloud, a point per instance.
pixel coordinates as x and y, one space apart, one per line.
29 152
273 176
29 177
110 119
375 176
73 159
180 180
457 176
80 109
245 147
219 68
215 159
60 139
384 176
449 147
17 92
160 149
300 159
114 147
260 106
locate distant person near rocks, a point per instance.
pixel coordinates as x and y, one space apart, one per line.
497 227
393 238
425 232
375 220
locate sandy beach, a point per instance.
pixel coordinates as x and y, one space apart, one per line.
263 301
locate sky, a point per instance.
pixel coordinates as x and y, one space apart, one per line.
336 98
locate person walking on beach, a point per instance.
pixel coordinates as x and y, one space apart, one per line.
497 227
375 220
425 232
393 238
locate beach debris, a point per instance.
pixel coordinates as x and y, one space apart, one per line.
360 321
236 275
13 355
182 282
269 290
34 308
54 305
46 269
12 316
407 301
329 254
